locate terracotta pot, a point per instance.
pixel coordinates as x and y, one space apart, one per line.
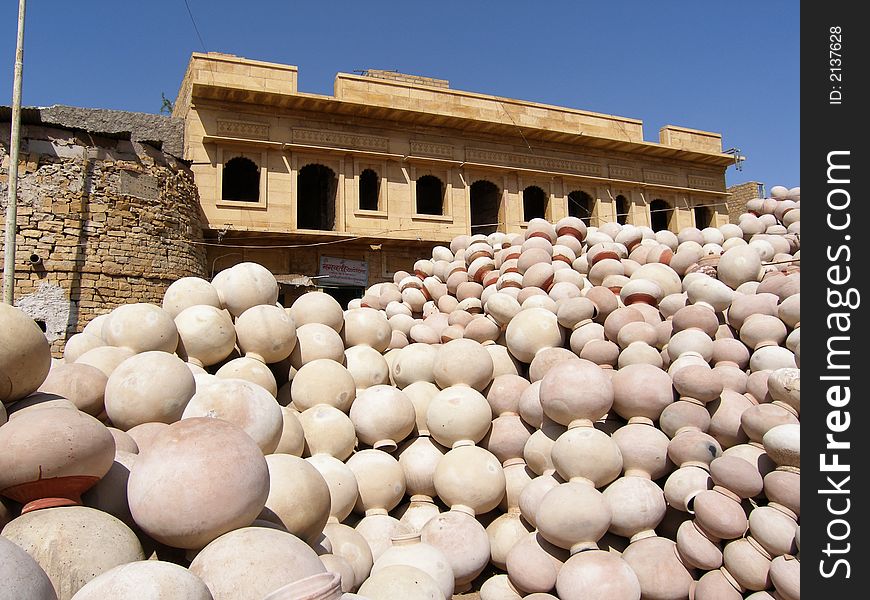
717 585
458 414
81 384
414 363
167 484
573 516
143 435
382 416
316 340
563 406
401 581
322 586
725 414
463 541
507 437
147 579
244 404
80 343
411 551
533 564
266 333
141 327
134 396
533 493
245 285
124 442
21 575
748 563
58 538
698 548
658 568
323 381
587 453
463 362
785 573
739 265
327 431
775 528
641 391
415 514
317 307
381 481
206 335
499 587
51 456
298 496
105 358
531 330
597 575
342 484
637 506
684 484
25 363
419 458
782 444
759 419
352 547
644 450
281 559
252 371
189 291
471 478
378 529
785 386
337 565
539 447
109 494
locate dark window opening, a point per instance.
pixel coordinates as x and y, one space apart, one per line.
485 204
41 325
621 210
343 294
660 215
580 206
241 180
703 217
534 203
369 190
430 196
316 190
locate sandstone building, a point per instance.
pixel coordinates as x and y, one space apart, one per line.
346 189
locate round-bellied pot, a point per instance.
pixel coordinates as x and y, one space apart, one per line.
141 327
25 356
206 335
298 496
597 575
22 576
81 384
147 580
410 550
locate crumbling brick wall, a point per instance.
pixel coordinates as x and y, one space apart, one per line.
740 195
102 221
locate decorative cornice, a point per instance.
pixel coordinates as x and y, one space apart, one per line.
705 183
622 172
660 177
532 161
319 137
431 149
243 129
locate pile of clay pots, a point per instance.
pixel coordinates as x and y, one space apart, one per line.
573 412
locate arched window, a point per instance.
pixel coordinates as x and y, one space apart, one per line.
315 198
485 204
430 195
241 180
369 190
621 210
703 217
580 206
661 214
534 203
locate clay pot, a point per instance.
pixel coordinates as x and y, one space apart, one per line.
323 381
644 450
505 531
658 568
91 540
281 559
401 581
470 478
499 587
458 414
784 386
322 586
134 396
167 484
244 404
147 579
141 327
739 265
507 437
463 362
381 481
411 551
21 575
530 408
316 340
368 327
25 363
748 563
266 333
463 541
252 371
109 494
717 585
597 575
352 547
539 447
561 404
415 514
774 527
298 496
725 415
414 363
573 516
641 391
419 458
105 358
587 453
782 444
383 416
189 291
80 343
206 335
341 482
684 484
759 419
367 367
785 573
317 307
82 384
327 431
697 548
533 564
245 285
52 455
124 442
637 506
532 330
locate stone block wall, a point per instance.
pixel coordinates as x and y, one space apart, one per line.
740 195
102 221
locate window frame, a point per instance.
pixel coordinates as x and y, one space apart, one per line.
260 159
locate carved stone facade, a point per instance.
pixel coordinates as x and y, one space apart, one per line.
352 175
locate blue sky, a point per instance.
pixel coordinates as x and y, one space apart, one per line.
731 67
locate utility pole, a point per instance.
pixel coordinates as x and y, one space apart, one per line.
14 143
